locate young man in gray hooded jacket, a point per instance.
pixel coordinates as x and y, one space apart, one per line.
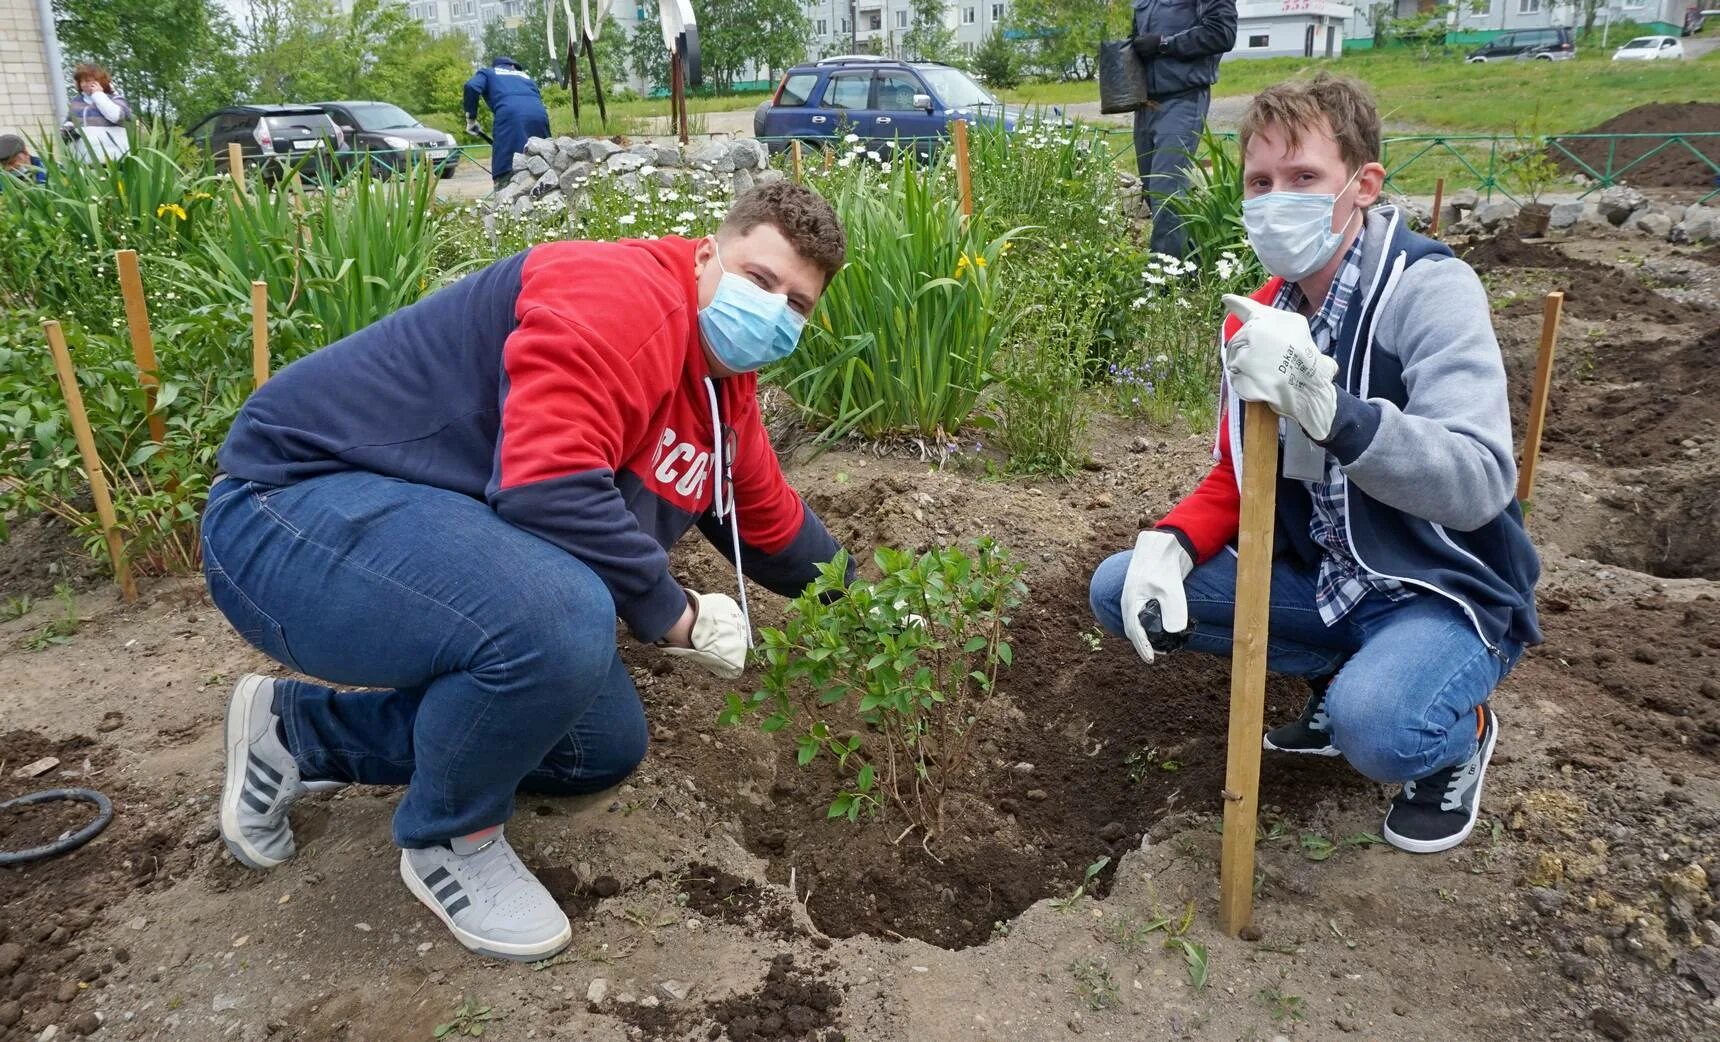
1402 580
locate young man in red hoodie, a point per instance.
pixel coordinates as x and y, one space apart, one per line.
1402 579
451 507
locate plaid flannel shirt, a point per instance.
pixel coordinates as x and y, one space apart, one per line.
1342 582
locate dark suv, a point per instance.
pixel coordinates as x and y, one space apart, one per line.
1551 44
390 136
273 138
878 99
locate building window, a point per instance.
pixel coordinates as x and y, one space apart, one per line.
823 27
997 12
1480 8
845 27
1635 5
1263 40
874 21
968 15
1528 6
901 19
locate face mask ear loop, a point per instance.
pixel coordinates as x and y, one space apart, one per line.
725 507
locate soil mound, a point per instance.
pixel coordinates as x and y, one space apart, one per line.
1674 166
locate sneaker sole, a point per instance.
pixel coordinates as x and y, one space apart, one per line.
1330 750
480 945
238 727
1434 846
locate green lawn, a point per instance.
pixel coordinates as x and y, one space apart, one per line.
1445 93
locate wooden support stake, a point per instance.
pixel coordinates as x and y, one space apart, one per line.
964 176
799 173
236 167
1248 666
142 341
92 462
1438 205
260 331
1554 310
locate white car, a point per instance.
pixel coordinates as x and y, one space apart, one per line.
1650 48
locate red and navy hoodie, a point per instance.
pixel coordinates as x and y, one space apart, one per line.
567 387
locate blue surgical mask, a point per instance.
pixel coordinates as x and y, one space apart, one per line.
746 327
1292 232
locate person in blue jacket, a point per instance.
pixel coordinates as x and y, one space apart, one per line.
518 109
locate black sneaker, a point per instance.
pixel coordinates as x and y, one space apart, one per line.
1438 812
1311 733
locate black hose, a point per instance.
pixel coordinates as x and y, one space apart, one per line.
104 814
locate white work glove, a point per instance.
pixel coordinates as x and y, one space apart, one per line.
474 127
1272 359
1154 586
719 635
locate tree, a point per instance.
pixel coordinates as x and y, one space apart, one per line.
646 56
155 49
1065 34
526 42
928 38
734 34
997 62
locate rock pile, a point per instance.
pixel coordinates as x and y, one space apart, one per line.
1618 207
554 172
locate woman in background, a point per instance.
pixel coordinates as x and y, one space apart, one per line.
96 128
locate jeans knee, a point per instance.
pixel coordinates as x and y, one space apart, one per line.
1105 592
1383 744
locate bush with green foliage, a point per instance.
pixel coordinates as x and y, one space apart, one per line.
890 677
997 62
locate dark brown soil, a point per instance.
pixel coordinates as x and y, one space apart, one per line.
1675 166
39 553
38 824
1592 291
1091 750
792 1005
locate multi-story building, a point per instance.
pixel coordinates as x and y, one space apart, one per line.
880 26
1476 21
33 87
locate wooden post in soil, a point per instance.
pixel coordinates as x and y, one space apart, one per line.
259 331
142 341
92 461
236 167
794 147
1438 205
964 176
1248 666
1554 310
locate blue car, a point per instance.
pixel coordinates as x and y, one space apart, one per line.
881 100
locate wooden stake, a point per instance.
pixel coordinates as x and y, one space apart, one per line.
260 331
1554 310
1248 665
1438 205
92 462
142 341
236 167
794 147
964 176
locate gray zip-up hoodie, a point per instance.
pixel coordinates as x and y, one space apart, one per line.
1423 432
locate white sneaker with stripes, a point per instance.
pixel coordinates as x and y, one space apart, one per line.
262 778
479 887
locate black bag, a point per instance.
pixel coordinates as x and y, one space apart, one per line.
1122 77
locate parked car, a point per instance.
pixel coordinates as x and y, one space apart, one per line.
1650 48
880 99
390 136
273 138
1551 44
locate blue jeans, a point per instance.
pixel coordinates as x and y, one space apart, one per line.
1409 673
1167 136
492 653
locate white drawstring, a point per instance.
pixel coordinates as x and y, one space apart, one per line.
726 509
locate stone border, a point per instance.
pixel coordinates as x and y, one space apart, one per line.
553 172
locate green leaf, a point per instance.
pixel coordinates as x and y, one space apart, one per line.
808 750
1316 847
443 1029
839 806
973 644
1006 653
864 781
872 700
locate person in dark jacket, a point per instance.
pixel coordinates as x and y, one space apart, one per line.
518 108
15 159
1180 41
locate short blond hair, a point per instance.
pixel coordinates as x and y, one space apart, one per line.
1336 106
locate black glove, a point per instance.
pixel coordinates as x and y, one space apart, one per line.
1146 47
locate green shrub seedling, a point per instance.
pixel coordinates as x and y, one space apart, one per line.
890 676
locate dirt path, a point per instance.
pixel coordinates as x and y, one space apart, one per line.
1583 908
